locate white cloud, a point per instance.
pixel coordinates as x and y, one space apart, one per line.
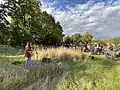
103 21
1 1
116 2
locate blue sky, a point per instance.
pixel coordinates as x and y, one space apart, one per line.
100 17
71 3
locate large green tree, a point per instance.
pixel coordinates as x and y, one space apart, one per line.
50 32
22 13
28 22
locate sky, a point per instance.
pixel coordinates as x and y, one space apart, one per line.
99 17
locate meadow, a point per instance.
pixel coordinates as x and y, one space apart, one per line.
73 70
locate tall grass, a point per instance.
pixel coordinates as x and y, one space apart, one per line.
14 77
61 53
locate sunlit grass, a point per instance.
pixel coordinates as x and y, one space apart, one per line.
98 74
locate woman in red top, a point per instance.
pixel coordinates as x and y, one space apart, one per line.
28 54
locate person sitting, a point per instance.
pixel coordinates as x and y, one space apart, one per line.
117 54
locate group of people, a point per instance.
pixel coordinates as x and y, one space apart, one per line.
111 50
94 48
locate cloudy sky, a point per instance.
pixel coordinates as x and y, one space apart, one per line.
100 17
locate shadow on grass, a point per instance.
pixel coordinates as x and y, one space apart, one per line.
108 63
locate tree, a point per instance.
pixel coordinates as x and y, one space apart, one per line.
76 39
22 12
4 32
87 38
50 32
28 22
66 40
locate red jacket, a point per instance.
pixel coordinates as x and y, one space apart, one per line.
27 49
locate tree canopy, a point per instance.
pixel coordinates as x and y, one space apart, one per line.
27 22
76 38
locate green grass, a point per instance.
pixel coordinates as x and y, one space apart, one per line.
98 74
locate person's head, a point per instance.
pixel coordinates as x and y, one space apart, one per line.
28 43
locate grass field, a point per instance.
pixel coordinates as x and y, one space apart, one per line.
73 73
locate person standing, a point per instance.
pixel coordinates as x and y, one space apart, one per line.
28 55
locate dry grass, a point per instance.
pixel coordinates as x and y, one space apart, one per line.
59 53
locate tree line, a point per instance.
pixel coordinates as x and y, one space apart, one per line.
78 39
